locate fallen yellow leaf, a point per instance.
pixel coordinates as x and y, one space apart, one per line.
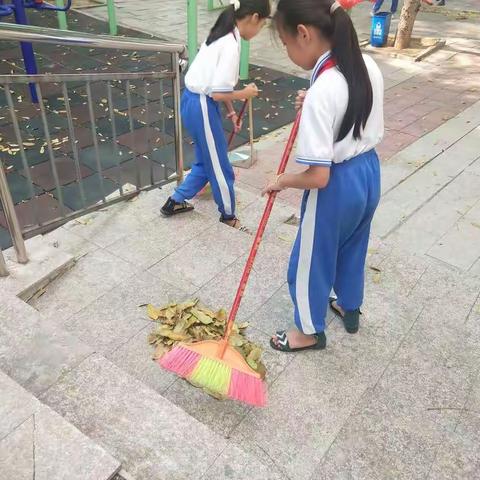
152 312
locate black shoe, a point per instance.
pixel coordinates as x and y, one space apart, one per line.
172 207
282 344
351 321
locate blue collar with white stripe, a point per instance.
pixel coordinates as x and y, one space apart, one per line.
320 63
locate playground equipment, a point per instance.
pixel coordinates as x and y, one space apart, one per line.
112 16
192 34
18 9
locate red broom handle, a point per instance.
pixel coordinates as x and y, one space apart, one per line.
239 119
258 237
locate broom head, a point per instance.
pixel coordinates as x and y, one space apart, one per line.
228 375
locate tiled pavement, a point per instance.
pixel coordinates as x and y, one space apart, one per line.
398 400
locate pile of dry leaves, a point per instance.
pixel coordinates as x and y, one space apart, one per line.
191 322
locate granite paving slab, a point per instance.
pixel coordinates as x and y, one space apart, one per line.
36 441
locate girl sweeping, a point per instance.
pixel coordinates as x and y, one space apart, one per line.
211 79
342 122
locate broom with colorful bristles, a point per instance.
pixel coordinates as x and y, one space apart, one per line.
214 364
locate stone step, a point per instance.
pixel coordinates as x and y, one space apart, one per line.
35 442
154 439
143 416
414 157
402 201
157 261
33 350
45 264
437 217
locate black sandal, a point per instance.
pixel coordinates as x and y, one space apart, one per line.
284 346
236 224
172 207
335 310
351 319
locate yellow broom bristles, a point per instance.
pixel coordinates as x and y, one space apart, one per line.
213 375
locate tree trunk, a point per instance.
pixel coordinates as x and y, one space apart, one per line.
405 25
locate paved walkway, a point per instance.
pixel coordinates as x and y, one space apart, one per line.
167 18
400 400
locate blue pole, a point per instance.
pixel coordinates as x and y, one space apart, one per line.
27 48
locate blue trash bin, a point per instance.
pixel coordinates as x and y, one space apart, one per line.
380 29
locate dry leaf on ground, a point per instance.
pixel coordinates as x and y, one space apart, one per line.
190 322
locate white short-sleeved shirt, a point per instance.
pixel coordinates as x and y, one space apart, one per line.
216 66
322 114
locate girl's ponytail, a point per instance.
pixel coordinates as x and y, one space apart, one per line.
240 9
347 53
335 25
225 24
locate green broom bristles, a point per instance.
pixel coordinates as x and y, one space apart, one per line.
213 375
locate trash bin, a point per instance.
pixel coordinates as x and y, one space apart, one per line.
380 29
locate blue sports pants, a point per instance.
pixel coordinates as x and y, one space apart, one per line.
332 241
202 118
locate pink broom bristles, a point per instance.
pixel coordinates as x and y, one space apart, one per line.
241 386
247 389
180 360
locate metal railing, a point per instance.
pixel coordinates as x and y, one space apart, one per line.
82 111
3 265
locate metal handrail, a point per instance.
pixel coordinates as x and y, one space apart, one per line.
11 218
83 77
3 265
28 33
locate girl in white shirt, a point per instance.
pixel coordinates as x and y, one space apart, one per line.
341 124
211 79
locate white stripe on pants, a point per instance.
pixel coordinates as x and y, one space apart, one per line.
305 261
217 168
